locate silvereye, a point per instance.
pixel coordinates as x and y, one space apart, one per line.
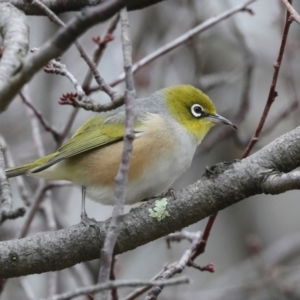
168 127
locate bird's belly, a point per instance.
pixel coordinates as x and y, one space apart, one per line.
155 181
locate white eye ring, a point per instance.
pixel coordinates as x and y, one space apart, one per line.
197 110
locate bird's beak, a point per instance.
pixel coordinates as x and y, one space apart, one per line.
219 119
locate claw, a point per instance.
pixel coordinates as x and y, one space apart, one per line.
170 193
88 222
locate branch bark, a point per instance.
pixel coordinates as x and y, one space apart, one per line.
59 7
221 186
15 33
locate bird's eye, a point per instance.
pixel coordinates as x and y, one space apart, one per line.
197 110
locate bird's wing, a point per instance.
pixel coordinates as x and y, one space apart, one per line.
96 132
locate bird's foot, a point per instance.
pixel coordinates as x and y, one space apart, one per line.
170 193
88 222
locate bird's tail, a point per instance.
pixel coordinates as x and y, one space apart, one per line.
25 169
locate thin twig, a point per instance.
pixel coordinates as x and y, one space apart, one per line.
38 198
121 178
68 126
19 179
99 52
48 127
6 211
113 94
280 117
194 238
140 291
290 81
88 79
112 276
57 67
181 40
292 11
80 99
118 284
272 92
223 133
2 284
202 244
176 267
28 291
89 104
241 113
35 130
47 208
57 45
210 81
52 284
81 274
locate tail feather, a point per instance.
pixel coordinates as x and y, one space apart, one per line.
21 170
25 169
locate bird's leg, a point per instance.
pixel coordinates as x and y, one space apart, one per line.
83 214
84 217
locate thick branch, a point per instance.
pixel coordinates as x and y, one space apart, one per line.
15 31
221 186
58 6
277 183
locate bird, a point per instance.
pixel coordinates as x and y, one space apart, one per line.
168 127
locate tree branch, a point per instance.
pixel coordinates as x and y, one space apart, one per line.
272 92
57 45
113 94
15 33
292 11
178 266
122 176
221 186
277 182
118 284
58 6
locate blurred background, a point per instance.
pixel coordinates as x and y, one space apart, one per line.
255 244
